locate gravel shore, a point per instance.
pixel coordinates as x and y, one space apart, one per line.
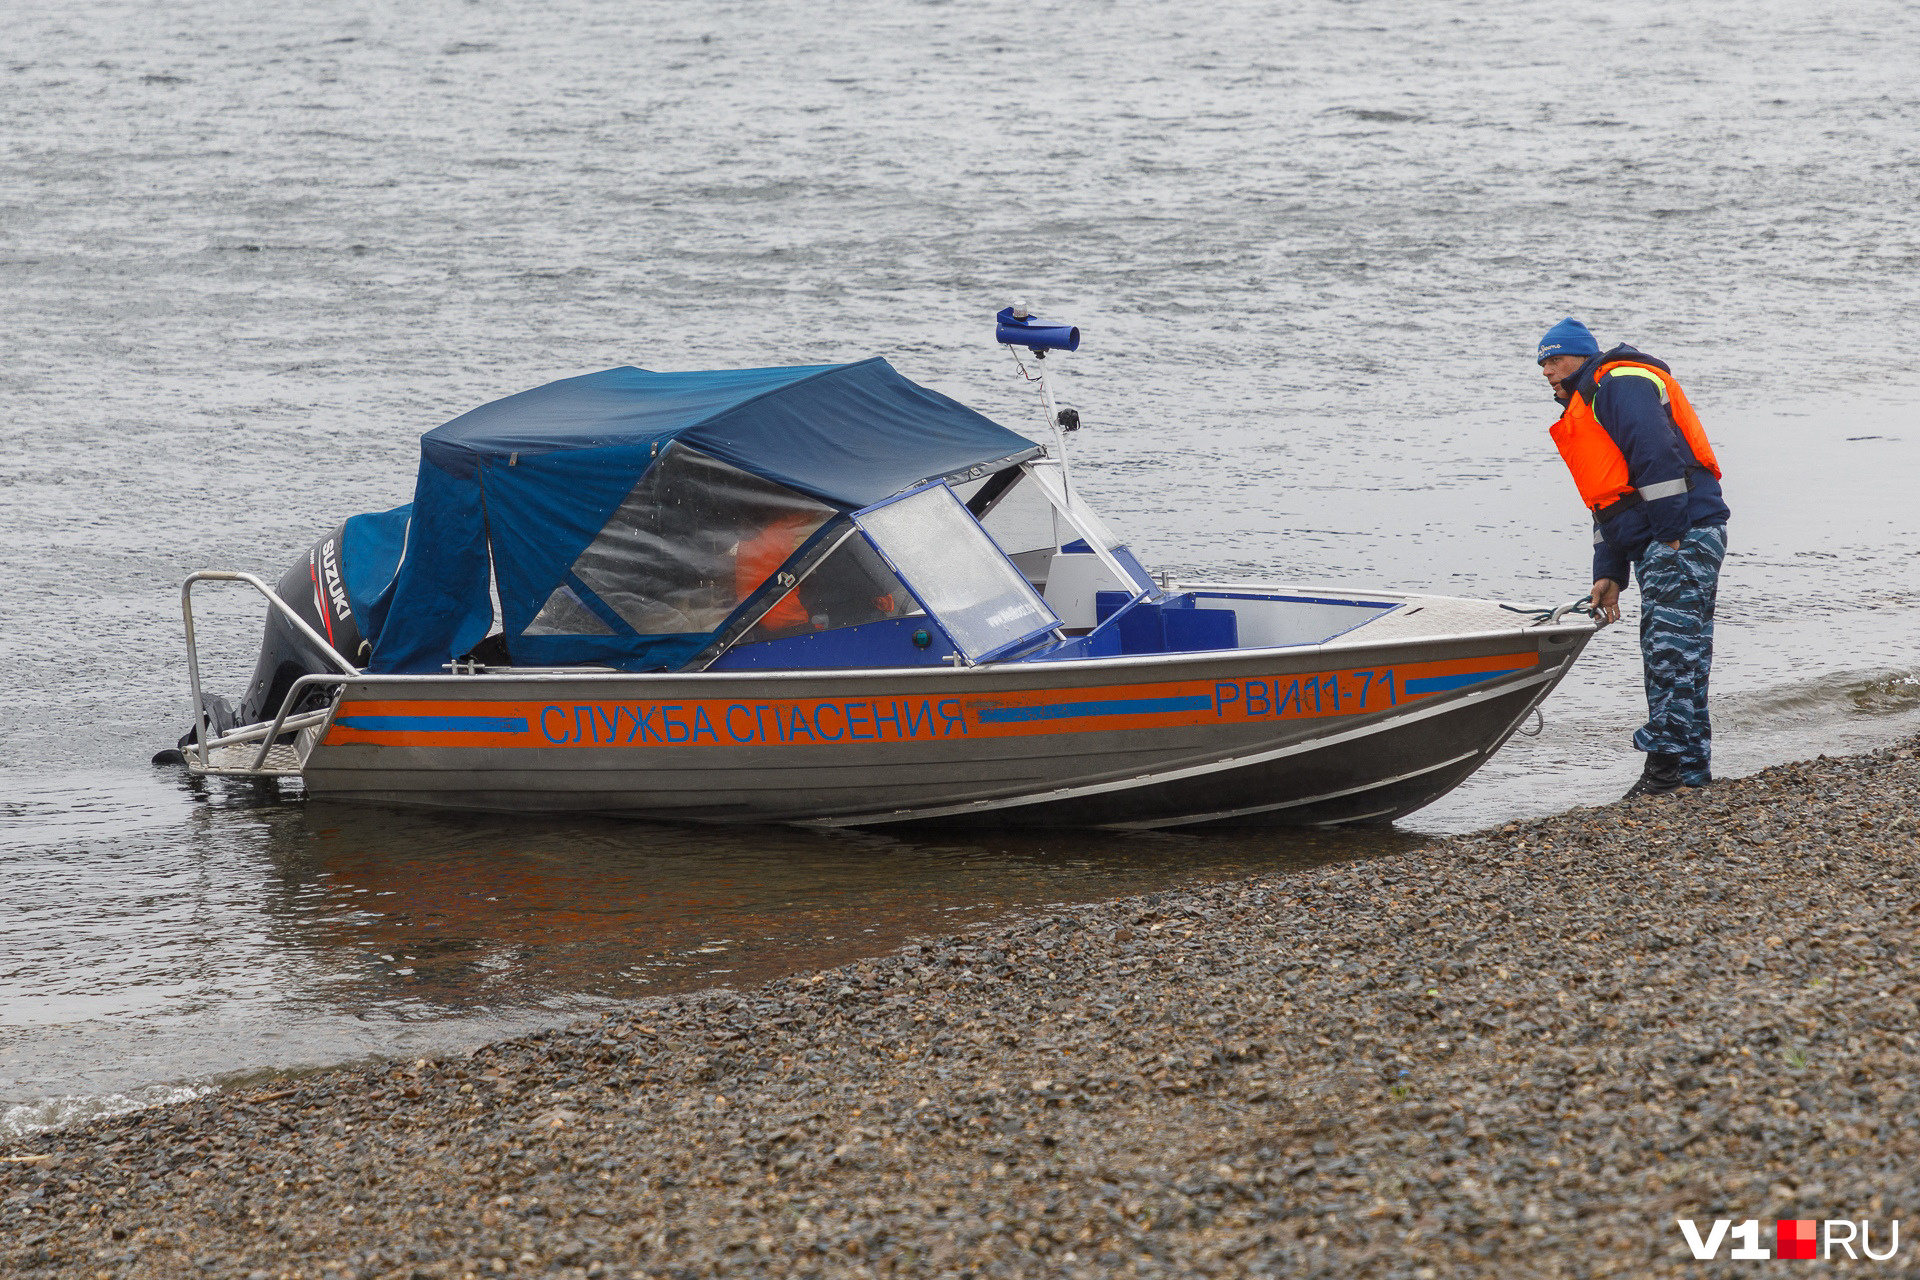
1524 1052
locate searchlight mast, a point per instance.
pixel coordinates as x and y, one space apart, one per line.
1017 327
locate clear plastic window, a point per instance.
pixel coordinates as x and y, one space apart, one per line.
852 586
1022 520
564 614
692 540
935 546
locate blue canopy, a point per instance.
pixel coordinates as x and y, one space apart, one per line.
535 482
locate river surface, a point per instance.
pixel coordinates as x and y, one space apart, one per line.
250 253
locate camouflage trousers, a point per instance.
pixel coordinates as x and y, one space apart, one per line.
1678 588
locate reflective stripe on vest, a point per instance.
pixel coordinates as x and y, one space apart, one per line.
1635 369
1599 468
1665 489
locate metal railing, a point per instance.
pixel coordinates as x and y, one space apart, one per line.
285 721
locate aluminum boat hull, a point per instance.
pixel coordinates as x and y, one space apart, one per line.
1348 731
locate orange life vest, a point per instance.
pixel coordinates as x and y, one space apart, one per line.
760 556
1599 468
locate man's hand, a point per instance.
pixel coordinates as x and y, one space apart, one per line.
1605 601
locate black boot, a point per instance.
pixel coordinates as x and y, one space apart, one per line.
1661 775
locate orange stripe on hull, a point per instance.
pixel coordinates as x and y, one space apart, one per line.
880 718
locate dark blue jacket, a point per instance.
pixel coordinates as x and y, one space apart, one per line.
1632 413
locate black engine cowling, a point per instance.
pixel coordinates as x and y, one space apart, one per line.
315 588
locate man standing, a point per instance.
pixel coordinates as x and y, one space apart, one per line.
1645 470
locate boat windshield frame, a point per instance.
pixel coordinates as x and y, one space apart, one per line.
1044 475
910 565
1052 479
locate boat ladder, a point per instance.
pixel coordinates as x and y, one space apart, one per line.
255 750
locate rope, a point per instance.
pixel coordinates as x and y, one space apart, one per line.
1541 615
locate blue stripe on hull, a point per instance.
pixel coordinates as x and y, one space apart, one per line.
1111 707
434 724
1444 684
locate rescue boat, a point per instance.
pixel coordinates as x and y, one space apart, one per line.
828 595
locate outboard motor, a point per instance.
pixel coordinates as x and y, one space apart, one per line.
315 588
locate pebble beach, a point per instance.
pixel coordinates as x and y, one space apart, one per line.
1521 1052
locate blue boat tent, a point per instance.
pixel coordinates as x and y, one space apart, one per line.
623 517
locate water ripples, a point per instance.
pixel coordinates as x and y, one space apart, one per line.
250 256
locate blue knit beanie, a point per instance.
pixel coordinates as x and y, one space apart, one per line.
1568 338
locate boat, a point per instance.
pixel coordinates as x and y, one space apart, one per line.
828 595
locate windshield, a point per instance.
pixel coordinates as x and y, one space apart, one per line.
934 546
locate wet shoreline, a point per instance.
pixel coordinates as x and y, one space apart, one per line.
1522 1051
293 935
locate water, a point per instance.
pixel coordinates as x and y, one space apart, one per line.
249 255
